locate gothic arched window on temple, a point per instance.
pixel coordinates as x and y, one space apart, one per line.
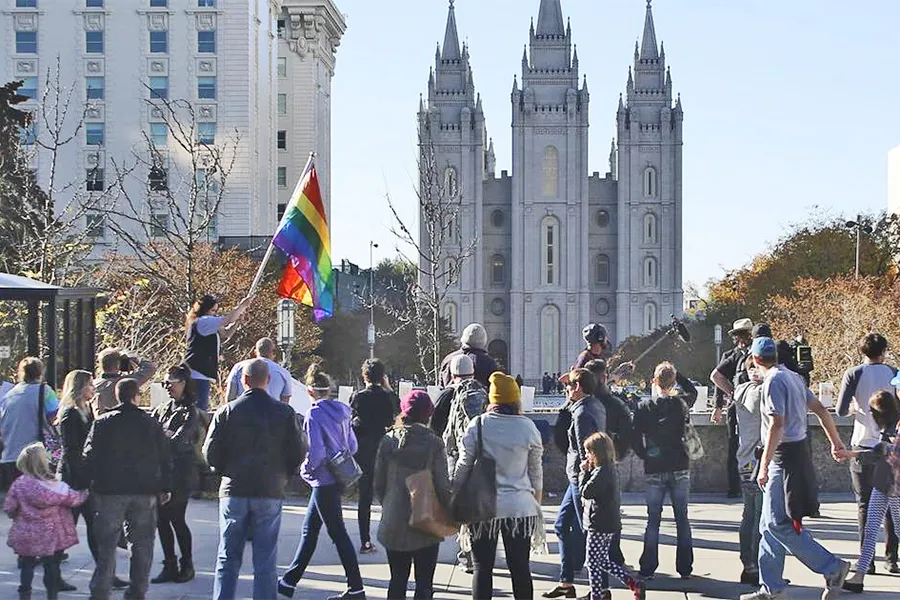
551 172
650 183
549 251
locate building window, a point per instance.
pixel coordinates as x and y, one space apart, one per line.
282 139
650 317
159 134
282 177
159 41
651 277
93 42
159 224
95 225
550 339
602 307
206 88
29 87
498 219
601 270
206 42
207 185
650 183
282 66
94 134
206 3
26 3
95 88
158 180
206 133
159 88
602 219
28 134
159 3
282 104
498 307
26 42
94 180
93 3
280 209
281 28
498 269
551 172
649 228
549 251
451 183
450 316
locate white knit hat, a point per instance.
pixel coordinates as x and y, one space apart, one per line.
474 336
462 366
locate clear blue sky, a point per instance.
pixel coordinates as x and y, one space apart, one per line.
789 106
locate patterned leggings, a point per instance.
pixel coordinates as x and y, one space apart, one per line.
599 561
878 507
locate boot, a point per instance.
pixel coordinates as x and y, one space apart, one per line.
168 574
855 584
186 573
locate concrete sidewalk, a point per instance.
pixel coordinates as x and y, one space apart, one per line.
716 565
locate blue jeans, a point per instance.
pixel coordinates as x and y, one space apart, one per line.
570 532
202 389
325 508
779 538
236 517
678 485
749 531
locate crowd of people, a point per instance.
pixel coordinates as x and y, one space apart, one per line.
467 466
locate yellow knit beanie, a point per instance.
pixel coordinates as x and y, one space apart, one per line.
504 389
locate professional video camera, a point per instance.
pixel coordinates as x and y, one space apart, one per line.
802 355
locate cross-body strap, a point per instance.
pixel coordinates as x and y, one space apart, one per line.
42 417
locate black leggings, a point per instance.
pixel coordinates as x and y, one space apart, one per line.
51 573
86 510
425 561
518 552
171 517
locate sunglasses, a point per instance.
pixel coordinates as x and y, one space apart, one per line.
171 382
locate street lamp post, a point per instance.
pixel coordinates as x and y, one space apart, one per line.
370 330
860 227
717 337
285 311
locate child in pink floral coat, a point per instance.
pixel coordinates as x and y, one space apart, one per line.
43 525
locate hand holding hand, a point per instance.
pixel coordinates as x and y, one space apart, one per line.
840 454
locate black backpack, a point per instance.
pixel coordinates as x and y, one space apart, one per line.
619 425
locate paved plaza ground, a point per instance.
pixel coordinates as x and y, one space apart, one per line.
716 564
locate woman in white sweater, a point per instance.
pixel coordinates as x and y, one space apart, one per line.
514 443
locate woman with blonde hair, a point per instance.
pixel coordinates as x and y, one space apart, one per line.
659 429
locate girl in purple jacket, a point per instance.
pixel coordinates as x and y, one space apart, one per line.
328 430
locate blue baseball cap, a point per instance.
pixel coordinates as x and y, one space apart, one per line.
896 380
764 347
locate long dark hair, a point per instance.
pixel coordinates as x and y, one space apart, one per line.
885 410
183 372
200 308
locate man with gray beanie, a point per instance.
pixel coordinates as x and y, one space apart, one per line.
474 345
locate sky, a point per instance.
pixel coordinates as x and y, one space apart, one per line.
790 108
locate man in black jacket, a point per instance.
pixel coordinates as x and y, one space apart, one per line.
128 462
255 445
374 409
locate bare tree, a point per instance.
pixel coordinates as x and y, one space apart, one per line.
170 200
52 233
437 253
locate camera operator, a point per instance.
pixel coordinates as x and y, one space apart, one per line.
727 375
114 365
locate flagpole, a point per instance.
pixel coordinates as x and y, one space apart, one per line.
262 266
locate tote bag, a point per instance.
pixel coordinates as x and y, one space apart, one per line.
426 511
341 464
475 500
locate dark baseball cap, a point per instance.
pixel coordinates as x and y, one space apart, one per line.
762 330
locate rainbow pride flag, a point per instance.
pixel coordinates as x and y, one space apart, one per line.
303 236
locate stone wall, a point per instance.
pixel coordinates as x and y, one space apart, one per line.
708 474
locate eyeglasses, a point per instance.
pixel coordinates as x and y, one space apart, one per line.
171 382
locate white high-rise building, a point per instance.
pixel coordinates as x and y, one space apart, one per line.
309 32
218 55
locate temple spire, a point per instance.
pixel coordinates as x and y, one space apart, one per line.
649 48
451 37
550 19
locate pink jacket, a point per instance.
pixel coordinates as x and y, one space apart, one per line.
42 516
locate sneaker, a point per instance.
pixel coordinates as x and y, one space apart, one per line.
65 586
368 548
855 583
891 566
349 595
286 589
561 591
762 595
834 585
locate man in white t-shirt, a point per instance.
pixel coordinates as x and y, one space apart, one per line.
858 385
280 380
